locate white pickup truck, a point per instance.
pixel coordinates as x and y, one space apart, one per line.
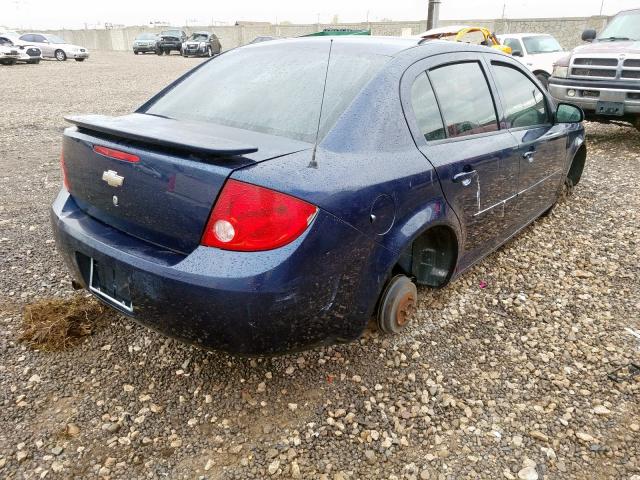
538 52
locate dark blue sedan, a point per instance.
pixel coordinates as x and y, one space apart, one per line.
280 195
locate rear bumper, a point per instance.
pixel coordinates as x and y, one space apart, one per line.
587 94
313 291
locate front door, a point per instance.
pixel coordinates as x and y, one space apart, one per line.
542 145
476 162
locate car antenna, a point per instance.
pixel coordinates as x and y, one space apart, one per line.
313 163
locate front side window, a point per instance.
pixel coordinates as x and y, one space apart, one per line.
465 99
426 109
273 89
55 39
514 44
524 103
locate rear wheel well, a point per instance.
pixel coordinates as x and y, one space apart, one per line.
431 258
577 165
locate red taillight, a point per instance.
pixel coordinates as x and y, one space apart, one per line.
250 218
117 154
63 167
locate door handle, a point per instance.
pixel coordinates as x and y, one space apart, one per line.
464 178
528 156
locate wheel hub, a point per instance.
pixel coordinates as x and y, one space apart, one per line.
406 307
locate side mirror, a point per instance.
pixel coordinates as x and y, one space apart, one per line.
45 41
568 113
516 53
588 35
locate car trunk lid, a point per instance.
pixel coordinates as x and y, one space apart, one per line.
164 197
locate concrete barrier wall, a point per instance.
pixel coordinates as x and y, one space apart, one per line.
566 30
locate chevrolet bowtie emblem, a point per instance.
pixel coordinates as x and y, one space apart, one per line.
112 178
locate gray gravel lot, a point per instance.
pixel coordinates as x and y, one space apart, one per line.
507 381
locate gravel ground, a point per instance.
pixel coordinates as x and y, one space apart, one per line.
506 381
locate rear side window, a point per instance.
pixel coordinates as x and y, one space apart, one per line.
465 99
27 38
524 103
426 109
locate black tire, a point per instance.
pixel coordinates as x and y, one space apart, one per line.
159 51
80 59
167 51
136 52
209 51
34 62
397 304
60 55
8 62
543 78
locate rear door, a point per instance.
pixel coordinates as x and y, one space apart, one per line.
542 145
459 133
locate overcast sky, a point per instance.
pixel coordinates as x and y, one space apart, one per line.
41 14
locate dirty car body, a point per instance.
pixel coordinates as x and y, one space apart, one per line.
158 215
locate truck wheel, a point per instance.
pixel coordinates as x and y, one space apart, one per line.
397 304
60 55
543 78
159 51
79 59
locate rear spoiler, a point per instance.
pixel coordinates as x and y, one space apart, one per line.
165 132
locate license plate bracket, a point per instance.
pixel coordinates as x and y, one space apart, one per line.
110 284
615 109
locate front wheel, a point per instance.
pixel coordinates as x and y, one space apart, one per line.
34 62
60 55
209 51
543 78
159 51
397 304
80 59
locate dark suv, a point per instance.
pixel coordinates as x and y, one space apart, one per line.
169 40
603 77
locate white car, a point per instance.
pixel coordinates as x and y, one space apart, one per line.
53 46
27 53
8 55
537 51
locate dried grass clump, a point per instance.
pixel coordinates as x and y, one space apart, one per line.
57 324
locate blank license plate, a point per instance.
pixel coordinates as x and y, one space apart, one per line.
110 284
610 108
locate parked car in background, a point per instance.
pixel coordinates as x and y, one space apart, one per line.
603 77
261 39
170 40
314 191
465 34
53 46
201 44
145 43
27 53
538 51
8 55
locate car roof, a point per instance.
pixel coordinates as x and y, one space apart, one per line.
370 44
389 46
202 32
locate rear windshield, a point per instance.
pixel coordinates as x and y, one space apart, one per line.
274 89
